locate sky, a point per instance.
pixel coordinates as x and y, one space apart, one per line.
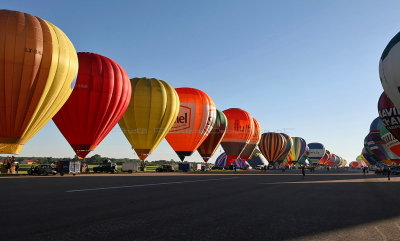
306 68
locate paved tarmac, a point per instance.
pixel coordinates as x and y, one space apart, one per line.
224 206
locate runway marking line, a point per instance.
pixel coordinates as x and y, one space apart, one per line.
149 184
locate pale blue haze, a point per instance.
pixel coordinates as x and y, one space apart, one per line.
310 67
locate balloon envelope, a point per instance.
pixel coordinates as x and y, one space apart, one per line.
288 147
194 122
272 145
354 165
391 142
152 110
211 143
238 134
389 115
98 101
317 151
38 66
389 71
254 140
297 151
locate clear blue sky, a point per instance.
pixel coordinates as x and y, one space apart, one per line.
307 67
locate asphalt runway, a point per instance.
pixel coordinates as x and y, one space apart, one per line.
227 206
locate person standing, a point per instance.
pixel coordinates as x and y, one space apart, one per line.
388 173
303 171
8 167
17 167
363 171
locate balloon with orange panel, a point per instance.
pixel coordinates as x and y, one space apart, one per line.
238 134
254 140
196 118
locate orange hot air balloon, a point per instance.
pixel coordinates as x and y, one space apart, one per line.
254 140
196 118
238 134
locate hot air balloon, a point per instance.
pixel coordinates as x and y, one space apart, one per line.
211 143
328 160
389 115
238 134
336 161
257 159
194 122
297 151
99 99
254 140
389 71
303 159
285 153
317 151
272 145
375 130
325 160
38 68
372 159
152 110
354 165
361 161
365 160
391 142
238 163
376 150
221 160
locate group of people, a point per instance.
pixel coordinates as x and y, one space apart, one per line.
384 171
8 164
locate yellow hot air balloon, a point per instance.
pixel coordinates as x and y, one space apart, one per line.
150 115
38 65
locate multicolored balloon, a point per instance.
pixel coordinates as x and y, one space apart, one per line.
195 120
152 110
373 148
391 142
303 159
211 143
272 145
389 115
38 69
289 144
375 130
369 156
238 134
297 151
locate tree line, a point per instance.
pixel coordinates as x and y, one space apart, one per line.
93 160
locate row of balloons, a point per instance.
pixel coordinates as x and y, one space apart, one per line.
382 145
281 149
39 81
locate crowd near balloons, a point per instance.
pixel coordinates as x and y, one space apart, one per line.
87 94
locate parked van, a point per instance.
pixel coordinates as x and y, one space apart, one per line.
129 167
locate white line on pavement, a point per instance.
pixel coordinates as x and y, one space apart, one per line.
150 184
